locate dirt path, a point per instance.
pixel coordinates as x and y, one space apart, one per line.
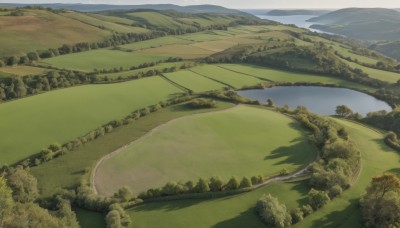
148 134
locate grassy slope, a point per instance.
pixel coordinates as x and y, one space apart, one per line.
236 80
64 114
375 73
90 219
155 43
22 70
88 19
179 50
376 159
40 30
100 59
287 76
222 144
67 170
194 81
156 19
227 212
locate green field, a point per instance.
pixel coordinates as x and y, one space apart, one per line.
179 50
65 114
236 80
66 171
193 81
101 59
377 158
155 43
377 74
155 19
22 70
226 212
288 76
90 219
242 141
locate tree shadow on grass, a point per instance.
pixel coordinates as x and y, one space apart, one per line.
341 218
395 171
301 186
248 218
167 205
293 154
383 146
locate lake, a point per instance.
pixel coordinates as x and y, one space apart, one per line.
298 20
322 100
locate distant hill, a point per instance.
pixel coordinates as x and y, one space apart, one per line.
391 49
361 23
105 7
295 12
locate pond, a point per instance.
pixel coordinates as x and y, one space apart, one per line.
322 100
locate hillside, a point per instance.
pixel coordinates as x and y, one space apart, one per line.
105 7
361 23
391 49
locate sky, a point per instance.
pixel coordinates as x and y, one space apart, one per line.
239 4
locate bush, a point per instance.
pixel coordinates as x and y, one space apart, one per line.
256 180
245 183
335 191
216 184
272 212
317 199
307 210
232 184
202 103
202 186
297 215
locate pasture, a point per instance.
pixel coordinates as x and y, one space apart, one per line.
193 81
101 59
375 73
66 171
22 70
236 80
377 158
229 211
41 29
178 50
65 114
242 141
155 43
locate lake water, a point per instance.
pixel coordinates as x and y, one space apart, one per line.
298 20
322 100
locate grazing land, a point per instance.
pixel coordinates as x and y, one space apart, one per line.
193 81
220 152
101 59
377 74
74 112
22 70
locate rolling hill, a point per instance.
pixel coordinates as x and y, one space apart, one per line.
361 23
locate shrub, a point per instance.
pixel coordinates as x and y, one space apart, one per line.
256 180
317 199
245 183
335 191
216 184
202 103
202 186
307 210
272 212
232 184
297 215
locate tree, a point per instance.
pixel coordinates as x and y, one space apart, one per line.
202 186
232 184
216 184
245 183
344 111
20 88
381 205
270 102
23 185
273 213
6 201
124 194
317 199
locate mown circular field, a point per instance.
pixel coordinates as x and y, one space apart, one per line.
241 141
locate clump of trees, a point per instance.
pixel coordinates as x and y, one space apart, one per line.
272 212
381 205
213 185
202 103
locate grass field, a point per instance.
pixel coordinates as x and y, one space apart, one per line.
41 29
22 70
155 43
101 59
65 114
155 19
115 27
179 50
90 219
193 81
66 171
375 73
236 80
288 76
227 212
243 141
377 158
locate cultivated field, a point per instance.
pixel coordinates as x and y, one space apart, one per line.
65 114
101 59
242 141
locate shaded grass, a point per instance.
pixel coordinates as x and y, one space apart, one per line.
244 141
66 171
90 219
65 114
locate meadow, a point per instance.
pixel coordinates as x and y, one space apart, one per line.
236 80
101 59
65 114
193 81
22 70
155 43
221 151
377 74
